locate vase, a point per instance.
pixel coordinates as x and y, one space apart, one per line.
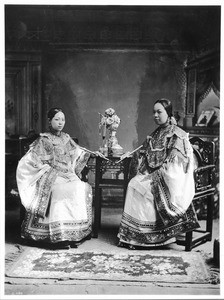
114 149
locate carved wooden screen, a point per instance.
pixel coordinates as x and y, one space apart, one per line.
22 94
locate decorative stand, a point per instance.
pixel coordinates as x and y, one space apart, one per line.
110 121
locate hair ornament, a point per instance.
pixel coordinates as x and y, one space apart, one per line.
173 121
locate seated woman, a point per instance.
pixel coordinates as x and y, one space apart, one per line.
158 204
58 204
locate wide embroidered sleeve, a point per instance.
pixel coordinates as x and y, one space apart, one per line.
139 163
79 157
179 147
173 183
34 177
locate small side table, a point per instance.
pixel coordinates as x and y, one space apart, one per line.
119 179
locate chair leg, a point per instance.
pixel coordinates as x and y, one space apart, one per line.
97 201
100 204
97 213
209 219
188 241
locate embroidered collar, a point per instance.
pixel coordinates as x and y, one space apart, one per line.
56 140
162 139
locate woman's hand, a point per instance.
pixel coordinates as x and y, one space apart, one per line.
125 155
98 153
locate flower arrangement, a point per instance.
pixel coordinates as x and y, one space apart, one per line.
110 119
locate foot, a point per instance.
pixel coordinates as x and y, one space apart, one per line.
120 244
61 245
88 237
73 245
131 247
67 247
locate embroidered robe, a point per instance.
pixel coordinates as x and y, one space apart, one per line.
58 204
158 204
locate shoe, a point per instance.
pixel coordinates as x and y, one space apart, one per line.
60 245
120 244
73 244
88 237
131 247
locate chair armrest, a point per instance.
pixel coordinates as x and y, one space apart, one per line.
204 177
204 168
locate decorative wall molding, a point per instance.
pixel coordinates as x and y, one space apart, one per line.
153 27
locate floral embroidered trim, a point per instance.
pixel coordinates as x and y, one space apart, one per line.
42 193
81 162
139 234
169 213
33 229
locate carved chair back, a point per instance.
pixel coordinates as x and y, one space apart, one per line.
204 153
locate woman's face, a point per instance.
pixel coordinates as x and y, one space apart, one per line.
159 113
58 121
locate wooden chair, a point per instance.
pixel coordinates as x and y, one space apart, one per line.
204 152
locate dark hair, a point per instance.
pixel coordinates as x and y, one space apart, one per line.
167 105
52 112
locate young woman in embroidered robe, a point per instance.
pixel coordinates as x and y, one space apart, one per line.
58 204
158 204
